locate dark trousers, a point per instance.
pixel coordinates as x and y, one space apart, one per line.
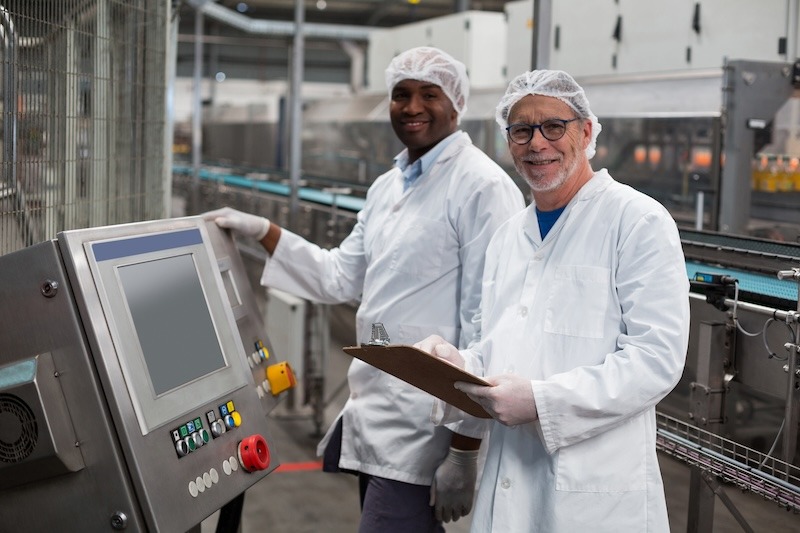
387 506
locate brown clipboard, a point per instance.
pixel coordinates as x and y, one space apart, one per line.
422 370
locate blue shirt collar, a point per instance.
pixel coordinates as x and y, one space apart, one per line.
414 170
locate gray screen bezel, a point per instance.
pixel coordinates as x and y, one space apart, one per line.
153 411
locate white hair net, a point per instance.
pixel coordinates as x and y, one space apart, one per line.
432 65
554 83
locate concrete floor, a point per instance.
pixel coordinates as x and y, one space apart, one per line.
302 499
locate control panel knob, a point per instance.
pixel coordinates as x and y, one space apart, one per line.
217 428
190 444
229 422
254 453
204 436
182 448
198 439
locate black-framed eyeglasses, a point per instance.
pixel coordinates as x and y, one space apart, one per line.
552 130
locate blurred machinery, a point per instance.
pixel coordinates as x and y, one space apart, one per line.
135 379
734 415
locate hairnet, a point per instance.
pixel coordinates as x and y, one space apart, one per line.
432 65
554 83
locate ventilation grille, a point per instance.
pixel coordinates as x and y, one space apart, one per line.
18 429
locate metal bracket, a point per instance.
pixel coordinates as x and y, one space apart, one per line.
707 404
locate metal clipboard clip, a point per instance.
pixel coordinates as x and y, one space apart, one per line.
379 335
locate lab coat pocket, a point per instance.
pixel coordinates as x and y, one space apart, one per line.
577 303
614 461
419 248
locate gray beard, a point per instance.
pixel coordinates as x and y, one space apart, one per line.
538 185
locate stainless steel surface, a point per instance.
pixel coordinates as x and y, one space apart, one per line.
127 464
34 324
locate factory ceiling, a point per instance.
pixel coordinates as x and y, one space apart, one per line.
383 13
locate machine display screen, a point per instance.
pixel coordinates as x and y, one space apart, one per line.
169 318
172 321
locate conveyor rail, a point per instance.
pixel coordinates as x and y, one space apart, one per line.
732 462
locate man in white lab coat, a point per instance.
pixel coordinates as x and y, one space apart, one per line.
585 324
414 260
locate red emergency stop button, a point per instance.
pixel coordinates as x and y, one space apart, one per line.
254 453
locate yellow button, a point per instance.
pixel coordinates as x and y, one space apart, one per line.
280 377
237 418
230 406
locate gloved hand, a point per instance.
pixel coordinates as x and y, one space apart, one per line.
509 400
453 485
246 224
435 345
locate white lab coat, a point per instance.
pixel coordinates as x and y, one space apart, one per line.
597 316
415 261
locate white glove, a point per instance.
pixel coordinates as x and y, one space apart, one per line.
248 225
453 485
435 345
509 400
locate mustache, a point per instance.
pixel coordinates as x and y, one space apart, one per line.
534 158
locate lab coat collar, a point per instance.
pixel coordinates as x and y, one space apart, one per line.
451 145
455 143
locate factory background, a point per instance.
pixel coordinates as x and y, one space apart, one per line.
120 111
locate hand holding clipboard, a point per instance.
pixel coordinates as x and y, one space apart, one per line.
422 370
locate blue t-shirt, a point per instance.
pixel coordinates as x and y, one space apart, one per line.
547 220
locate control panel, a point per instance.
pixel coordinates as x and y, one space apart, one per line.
135 379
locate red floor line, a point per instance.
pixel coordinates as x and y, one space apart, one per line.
299 467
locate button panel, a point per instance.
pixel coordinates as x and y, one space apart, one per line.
197 432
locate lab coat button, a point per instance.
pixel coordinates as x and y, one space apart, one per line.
506 483
523 311
538 257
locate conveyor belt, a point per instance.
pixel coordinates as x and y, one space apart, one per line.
760 246
750 282
348 203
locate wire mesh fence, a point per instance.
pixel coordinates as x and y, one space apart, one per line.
84 115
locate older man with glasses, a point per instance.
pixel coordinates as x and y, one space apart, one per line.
585 324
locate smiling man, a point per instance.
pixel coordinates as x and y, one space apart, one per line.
584 328
414 260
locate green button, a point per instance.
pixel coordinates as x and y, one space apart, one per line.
198 424
184 431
